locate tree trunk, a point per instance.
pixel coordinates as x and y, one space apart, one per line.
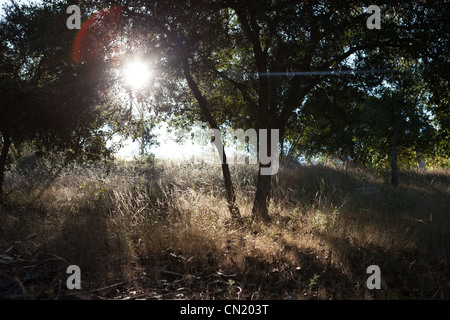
231 196
5 149
266 169
394 166
262 196
282 133
421 164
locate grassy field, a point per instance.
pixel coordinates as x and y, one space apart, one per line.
161 230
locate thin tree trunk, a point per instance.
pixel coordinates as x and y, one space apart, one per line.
142 125
5 149
282 133
231 196
297 139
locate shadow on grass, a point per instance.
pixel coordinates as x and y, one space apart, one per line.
406 274
81 232
412 219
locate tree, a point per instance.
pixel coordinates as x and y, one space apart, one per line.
179 47
46 99
285 36
393 126
257 63
396 113
331 117
273 54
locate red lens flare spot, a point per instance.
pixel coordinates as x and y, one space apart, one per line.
96 36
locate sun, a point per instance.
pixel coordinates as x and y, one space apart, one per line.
137 74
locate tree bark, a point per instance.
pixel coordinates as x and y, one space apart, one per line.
5 149
260 209
231 195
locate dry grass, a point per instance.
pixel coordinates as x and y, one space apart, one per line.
163 231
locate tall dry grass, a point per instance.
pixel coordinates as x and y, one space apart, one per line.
162 230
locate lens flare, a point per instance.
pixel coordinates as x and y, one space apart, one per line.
137 74
91 42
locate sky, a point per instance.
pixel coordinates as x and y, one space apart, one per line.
2 2
8 1
167 148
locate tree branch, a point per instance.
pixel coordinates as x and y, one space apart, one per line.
242 89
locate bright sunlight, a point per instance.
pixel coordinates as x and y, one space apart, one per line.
137 74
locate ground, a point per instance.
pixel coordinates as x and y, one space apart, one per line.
162 230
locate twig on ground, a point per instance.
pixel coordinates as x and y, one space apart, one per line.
171 273
105 288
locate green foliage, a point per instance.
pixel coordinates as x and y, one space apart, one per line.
313 282
319 221
95 190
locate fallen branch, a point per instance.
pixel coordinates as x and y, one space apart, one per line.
172 273
105 288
